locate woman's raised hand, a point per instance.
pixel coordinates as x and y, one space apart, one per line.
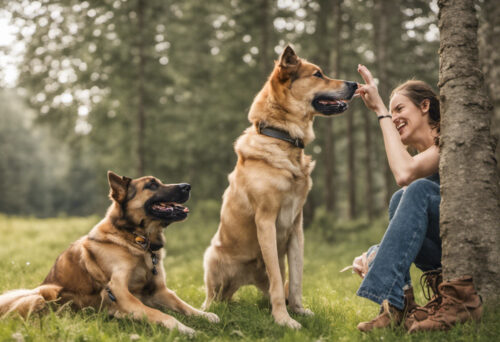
369 92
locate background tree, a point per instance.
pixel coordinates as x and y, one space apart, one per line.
164 87
470 208
324 39
489 54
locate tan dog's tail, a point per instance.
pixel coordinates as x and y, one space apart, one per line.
25 302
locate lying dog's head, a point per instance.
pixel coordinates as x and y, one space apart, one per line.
301 86
147 199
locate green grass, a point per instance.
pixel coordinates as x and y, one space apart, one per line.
29 247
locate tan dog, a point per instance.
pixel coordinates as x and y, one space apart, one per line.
261 215
119 264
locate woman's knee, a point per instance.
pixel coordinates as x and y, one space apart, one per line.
393 204
422 186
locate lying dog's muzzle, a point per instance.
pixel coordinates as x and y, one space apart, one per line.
166 204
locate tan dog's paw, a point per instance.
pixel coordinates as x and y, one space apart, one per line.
288 322
302 311
211 317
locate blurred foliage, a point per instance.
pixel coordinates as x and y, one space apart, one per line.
192 68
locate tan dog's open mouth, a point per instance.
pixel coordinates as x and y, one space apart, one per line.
329 103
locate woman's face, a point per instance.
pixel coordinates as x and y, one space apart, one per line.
410 120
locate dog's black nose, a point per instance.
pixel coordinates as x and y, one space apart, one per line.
351 85
185 187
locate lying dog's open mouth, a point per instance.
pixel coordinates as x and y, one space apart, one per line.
167 211
329 105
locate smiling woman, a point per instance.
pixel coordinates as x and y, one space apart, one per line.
413 232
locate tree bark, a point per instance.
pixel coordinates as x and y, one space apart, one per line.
141 115
470 209
489 54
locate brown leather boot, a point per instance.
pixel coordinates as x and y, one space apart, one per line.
410 304
388 316
429 281
460 303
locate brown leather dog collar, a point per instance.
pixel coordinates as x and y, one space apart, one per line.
279 134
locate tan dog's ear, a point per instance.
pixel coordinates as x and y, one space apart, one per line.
118 186
288 64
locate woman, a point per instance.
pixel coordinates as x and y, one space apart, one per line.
413 232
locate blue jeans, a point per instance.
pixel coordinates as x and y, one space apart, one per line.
411 237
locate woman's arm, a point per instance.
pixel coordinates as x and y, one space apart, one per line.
405 167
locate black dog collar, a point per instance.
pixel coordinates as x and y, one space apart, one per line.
279 134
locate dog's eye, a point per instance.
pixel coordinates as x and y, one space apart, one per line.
318 74
151 185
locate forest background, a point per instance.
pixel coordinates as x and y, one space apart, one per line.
163 88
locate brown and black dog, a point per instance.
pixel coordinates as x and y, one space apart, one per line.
261 215
118 266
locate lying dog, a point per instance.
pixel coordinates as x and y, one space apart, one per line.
118 265
261 215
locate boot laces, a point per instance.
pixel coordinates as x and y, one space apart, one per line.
429 282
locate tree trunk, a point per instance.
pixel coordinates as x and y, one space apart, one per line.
470 209
368 166
489 53
266 60
324 62
351 171
141 115
351 161
381 11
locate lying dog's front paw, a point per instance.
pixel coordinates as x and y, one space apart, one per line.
175 324
211 317
186 330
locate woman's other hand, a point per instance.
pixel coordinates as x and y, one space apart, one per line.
369 92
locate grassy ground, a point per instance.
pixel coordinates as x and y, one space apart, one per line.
30 246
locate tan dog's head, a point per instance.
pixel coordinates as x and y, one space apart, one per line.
145 200
302 87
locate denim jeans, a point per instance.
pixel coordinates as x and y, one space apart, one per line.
411 237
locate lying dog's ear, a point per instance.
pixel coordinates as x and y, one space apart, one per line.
118 186
288 64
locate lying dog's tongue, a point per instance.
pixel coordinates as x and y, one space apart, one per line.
169 207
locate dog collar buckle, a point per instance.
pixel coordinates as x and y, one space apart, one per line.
141 241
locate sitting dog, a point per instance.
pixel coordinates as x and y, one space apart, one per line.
261 214
119 264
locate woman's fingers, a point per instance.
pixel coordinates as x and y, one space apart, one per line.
363 89
366 74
